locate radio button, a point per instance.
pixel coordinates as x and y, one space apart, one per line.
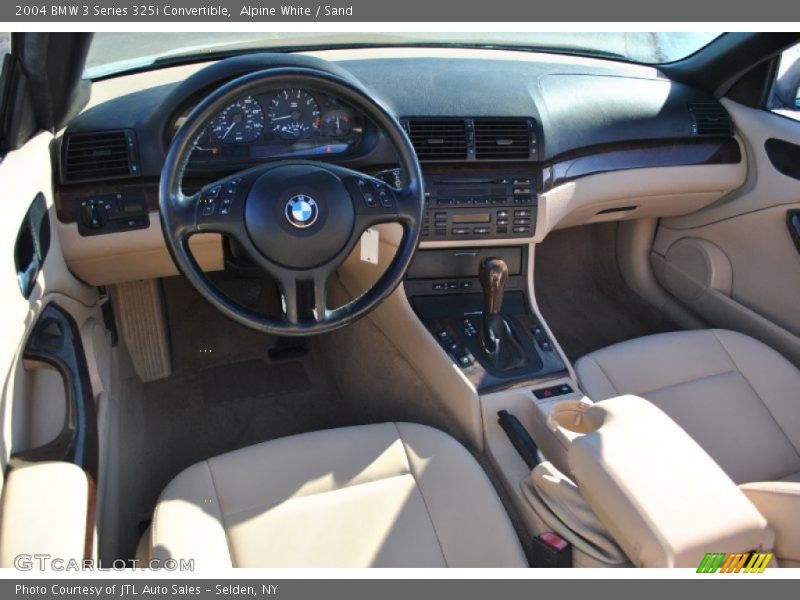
522 213
522 229
460 231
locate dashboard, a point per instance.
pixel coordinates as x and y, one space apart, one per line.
512 145
276 124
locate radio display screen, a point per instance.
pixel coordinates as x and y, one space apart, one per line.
472 218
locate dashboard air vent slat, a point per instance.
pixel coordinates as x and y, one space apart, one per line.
710 118
99 155
502 139
439 139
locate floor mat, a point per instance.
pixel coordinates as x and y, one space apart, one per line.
225 393
581 293
252 379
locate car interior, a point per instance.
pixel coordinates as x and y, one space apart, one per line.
394 304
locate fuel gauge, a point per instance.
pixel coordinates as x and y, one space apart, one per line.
337 123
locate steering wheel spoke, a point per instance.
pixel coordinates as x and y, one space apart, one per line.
320 288
219 208
376 202
290 301
304 296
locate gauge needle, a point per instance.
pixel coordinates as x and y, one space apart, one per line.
281 118
229 130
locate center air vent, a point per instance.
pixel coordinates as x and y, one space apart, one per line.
99 155
503 139
439 139
710 118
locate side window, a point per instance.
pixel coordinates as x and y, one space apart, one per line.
785 96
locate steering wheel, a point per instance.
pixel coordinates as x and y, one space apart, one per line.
297 220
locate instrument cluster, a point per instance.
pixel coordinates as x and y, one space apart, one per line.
287 123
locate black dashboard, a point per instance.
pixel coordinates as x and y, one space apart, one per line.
575 104
493 131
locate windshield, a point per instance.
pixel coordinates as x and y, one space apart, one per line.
112 53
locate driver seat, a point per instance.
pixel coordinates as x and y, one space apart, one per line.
385 495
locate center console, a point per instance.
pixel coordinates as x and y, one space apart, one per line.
474 298
475 304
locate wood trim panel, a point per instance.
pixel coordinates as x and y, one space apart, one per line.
640 155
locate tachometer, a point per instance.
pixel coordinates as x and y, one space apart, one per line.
294 114
241 122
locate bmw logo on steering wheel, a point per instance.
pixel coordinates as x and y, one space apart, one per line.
302 211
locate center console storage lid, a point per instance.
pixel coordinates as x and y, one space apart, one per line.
665 501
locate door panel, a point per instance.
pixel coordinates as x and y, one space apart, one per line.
55 341
51 333
745 241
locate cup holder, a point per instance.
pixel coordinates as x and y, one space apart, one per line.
571 415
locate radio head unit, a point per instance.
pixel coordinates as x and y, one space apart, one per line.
501 205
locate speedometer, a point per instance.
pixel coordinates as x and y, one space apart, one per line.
294 114
242 121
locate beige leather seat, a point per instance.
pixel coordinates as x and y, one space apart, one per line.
386 495
738 399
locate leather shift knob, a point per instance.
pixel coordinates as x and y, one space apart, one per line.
493 274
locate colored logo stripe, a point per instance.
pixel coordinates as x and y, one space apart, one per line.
711 562
758 563
734 563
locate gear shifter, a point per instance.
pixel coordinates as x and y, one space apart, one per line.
497 339
493 274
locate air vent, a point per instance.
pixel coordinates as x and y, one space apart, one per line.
503 139
99 155
439 139
710 118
